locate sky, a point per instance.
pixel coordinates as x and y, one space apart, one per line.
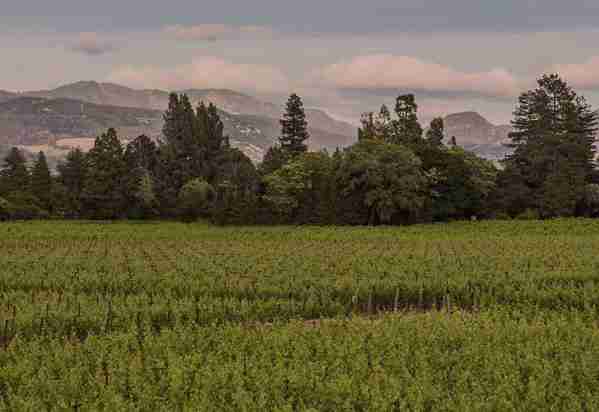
345 56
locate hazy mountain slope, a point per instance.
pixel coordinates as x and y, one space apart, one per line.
34 120
107 94
228 100
39 121
474 132
4 95
472 128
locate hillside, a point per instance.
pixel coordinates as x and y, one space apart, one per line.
83 110
228 100
473 132
4 96
36 121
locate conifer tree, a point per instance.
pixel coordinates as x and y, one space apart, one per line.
103 195
406 128
41 182
553 141
294 127
435 134
72 174
14 176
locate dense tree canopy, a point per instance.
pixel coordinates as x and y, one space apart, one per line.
395 174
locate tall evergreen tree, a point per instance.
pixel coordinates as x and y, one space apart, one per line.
103 196
194 141
14 176
406 128
435 133
141 159
72 174
41 182
294 127
553 141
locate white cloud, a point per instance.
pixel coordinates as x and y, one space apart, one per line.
214 32
205 72
92 44
387 71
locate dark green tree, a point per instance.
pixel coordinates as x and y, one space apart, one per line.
193 143
302 192
236 187
294 127
72 174
462 184
196 199
380 183
41 182
141 153
141 159
273 160
435 133
553 142
103 194
14 175
406 128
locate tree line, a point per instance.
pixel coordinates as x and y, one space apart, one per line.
396 173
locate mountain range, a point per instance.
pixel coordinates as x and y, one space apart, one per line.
72 115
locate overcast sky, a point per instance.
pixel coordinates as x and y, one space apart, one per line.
347 56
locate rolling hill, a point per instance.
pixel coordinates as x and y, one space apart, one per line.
38 121
322 125
76 113
473 132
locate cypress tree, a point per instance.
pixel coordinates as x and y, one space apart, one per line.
294 127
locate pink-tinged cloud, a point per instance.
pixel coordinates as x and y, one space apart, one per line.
582 75
92 44
214 32
386 71
205 72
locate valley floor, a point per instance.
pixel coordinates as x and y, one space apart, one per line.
167 316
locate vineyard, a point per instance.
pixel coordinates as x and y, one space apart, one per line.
477 316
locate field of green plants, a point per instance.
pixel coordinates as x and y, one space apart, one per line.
477 316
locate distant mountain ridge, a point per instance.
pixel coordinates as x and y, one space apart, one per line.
228 100
4 95
39 121
82 110
473 132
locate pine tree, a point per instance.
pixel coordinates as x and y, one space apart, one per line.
553 140
14 176
141 153
41 182
435 134
72 174
104 196
294 127
141 159
406 128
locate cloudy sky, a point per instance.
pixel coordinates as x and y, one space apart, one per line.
347 56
